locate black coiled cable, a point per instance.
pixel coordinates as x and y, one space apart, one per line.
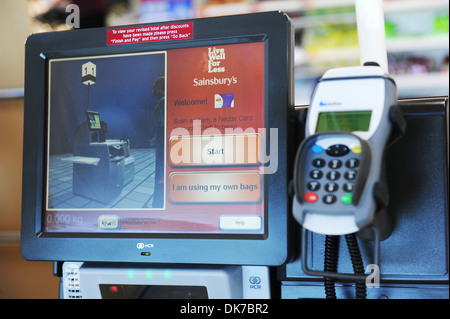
330 263
358 266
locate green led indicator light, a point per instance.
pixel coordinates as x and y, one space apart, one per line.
346 199
148 274
130 273
167 274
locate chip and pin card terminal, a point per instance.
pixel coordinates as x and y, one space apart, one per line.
339 173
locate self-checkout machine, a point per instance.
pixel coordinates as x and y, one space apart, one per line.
400 218
222 227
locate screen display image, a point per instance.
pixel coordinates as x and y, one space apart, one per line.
159 142
344 121
93 119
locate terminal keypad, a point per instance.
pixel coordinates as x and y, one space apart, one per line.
331 173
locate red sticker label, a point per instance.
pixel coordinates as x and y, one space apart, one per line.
153 33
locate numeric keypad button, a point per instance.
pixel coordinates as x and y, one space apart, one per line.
333 175
348 187
313 186
331 187
350 175
352 163
329 199
334 164
318 162
316 174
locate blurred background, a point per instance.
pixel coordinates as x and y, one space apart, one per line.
417 33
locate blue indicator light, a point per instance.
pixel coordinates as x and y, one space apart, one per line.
316 149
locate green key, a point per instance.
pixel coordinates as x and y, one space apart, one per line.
346 199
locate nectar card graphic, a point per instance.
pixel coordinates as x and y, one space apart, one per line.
223 100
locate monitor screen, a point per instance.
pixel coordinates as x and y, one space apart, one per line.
194 162
93 120
191 157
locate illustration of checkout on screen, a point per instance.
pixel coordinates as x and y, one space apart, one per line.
169 160
87 168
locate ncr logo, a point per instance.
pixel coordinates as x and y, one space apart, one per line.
143 245
255 282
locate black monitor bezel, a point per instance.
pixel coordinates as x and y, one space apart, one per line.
275 30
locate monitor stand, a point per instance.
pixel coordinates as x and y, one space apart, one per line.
148 281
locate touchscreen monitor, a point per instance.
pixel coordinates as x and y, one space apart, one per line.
192 167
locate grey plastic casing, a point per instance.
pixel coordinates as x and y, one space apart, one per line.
352 89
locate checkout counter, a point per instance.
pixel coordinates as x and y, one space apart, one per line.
101 167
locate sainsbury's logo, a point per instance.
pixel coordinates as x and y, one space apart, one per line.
215 57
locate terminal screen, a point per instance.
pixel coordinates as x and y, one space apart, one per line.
344 121
93 120
181 152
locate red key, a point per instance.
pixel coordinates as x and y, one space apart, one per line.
311 197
